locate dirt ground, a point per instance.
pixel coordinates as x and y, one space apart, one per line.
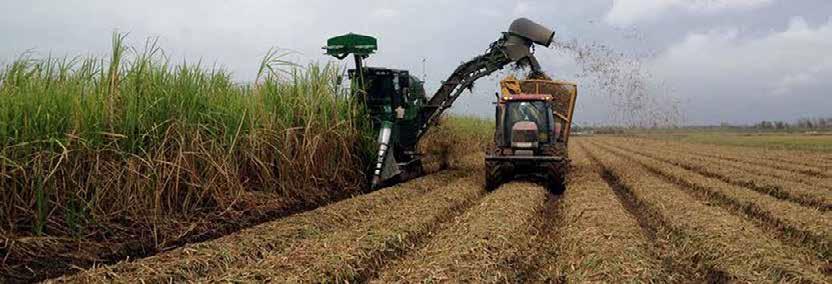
635 210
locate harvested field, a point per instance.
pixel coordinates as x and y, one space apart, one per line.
600 240
724 153
787 189
810 175
727 246
801 225
633 211
354 254
789 157
491 239
249 246
809 141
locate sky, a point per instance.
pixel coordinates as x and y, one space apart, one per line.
734 61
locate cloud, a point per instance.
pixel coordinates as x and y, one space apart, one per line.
782 67
385 13
521 8
792 83
628 12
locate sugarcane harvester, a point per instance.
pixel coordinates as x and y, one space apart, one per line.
396 102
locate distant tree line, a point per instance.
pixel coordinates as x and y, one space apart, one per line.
815 123
803 123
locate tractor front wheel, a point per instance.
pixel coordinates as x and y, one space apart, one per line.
557 177
492 176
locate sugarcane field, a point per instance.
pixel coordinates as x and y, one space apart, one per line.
416 142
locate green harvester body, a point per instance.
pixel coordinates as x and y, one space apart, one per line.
394 100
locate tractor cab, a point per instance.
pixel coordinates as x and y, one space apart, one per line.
533 121
533 113
526 123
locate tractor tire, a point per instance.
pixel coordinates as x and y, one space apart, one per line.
556 173
492 176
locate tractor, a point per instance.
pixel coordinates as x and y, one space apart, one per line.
396 103
533 122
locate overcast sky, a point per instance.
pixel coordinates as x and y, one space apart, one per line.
734 61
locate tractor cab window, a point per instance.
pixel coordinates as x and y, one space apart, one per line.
526 111
522 113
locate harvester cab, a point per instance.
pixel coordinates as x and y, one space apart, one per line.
533 120
396 102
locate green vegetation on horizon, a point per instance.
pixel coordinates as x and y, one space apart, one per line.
767 140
